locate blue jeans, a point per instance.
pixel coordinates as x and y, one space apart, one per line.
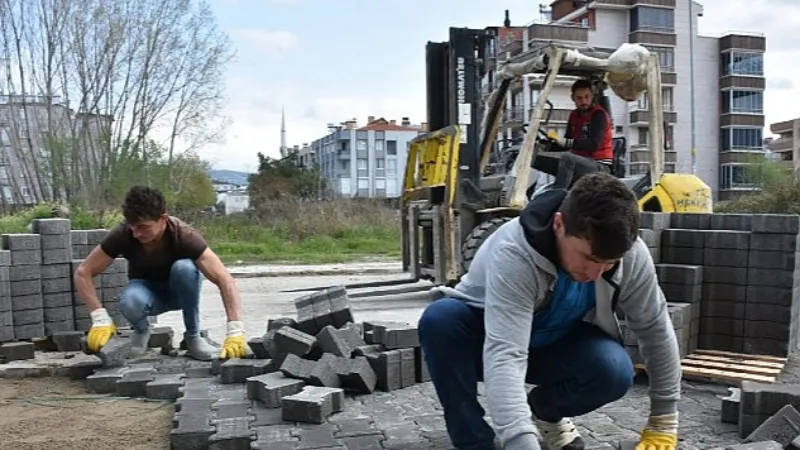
577 374
143 298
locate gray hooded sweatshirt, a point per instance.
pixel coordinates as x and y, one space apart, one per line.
510 277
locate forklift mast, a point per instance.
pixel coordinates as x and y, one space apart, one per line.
454 73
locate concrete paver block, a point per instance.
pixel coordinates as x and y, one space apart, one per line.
270 388
239 370
654 220
164 386
17 351
192 431
290 340
231 434
68 341
134 383
776 223
104 380
115 352
313 404
730 406
387 367
783 427
280 322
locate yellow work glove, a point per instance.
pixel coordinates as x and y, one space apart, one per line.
660 433
562 142
235 345
102 330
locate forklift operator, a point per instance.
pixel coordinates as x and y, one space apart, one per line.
588 140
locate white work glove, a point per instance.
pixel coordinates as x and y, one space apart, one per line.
235 345
102 330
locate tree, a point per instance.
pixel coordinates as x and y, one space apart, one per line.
279 178
114 76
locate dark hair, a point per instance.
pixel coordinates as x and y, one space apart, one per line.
143 203
582 84
601 209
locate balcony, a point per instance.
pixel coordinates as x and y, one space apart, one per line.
642 117
781 145
558 32
786 126
750 41
514 116
665 37
733 81
744 120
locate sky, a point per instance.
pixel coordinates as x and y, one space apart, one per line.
329 61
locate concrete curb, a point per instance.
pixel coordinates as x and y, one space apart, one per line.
278 270
314 272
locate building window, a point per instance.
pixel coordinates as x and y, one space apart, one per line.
380 167
742 139
644 18
391 147
361 144
391 167
363 168
739 101
667 100
743 63
379 144
644 137
732 176
666 57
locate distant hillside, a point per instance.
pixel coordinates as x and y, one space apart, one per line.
229 176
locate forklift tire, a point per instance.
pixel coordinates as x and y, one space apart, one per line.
477 237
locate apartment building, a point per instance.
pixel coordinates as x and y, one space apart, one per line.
786 148
713 87
366 161
32 129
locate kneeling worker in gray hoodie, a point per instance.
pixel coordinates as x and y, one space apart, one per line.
538 306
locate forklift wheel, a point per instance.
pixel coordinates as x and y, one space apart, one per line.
477 237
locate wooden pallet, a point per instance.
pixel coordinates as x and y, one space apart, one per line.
728 367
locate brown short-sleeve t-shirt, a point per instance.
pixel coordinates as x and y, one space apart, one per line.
181 242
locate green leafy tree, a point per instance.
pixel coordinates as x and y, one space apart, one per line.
280 178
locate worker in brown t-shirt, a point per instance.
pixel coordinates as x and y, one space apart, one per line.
165 259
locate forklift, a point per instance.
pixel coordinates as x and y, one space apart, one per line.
461 185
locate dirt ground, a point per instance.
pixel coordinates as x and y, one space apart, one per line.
59 414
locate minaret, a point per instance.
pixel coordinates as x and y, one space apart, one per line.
283 134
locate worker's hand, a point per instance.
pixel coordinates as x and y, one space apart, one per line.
553 136
102 330
660 433
235 345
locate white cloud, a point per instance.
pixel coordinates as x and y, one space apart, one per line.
274 44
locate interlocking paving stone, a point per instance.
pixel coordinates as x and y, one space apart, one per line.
405 418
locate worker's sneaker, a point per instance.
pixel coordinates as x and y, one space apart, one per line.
139 343
197 347
562 435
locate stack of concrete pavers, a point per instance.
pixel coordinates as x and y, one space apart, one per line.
26 284
37 294
6 313
56 276
746 302
681 315
84 241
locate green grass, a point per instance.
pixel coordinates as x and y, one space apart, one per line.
285 232
255 244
